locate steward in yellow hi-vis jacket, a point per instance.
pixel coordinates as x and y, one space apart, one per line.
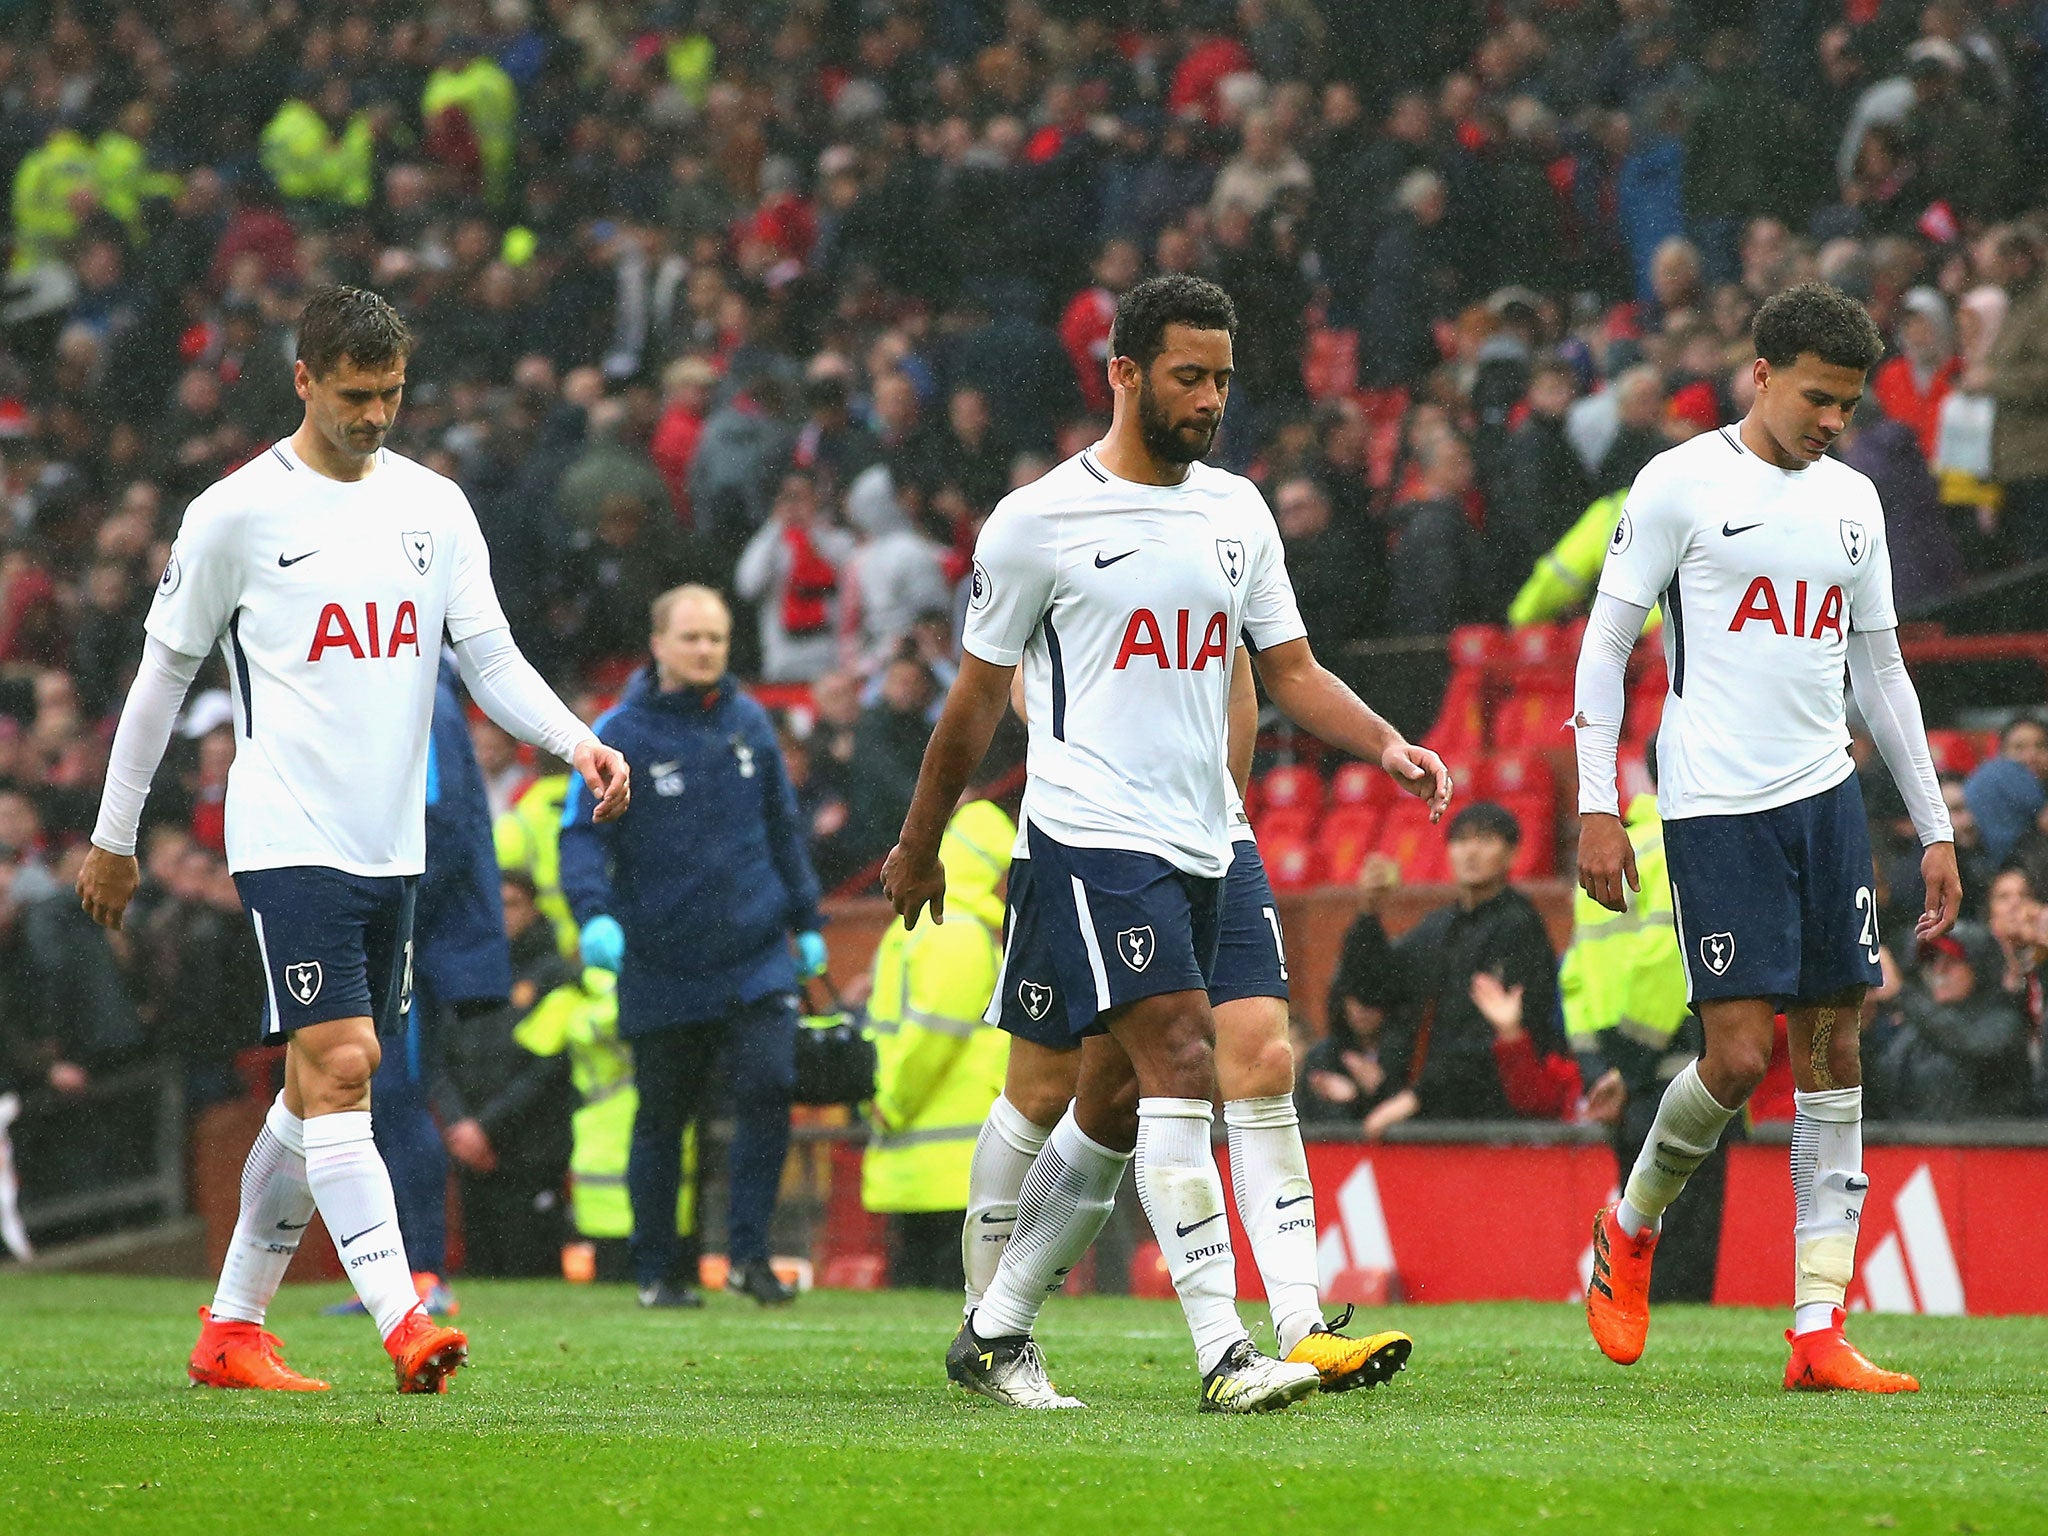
1623 983
528 838
582 1019
1564 578
937 1066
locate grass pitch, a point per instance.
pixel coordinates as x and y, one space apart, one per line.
584 1414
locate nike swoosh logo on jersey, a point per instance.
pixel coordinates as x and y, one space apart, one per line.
347 1241
1101 563
1181 1231
282 562
1728 532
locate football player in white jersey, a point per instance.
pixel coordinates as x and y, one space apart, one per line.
328 570
1770 563
1248 992
1123 581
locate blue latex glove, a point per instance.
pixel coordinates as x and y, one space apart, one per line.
810 953
604 943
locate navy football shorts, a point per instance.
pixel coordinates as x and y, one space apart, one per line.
1778 904
334 946
1251 958
1091 929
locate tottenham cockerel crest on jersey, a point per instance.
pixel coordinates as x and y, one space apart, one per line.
1231 553
419 550
1854 541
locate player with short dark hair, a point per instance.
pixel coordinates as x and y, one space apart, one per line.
329 570
1123 582
1770 563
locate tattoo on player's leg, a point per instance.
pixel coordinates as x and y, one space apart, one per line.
1823 1041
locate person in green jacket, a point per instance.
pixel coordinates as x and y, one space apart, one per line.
470 82
938 1067
582 1020
122 175
323 154
528 839
47 188
1563 581
1627 1018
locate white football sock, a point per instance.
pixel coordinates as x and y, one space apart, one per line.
352 1187
13 1235
1066 1198
1276 1202
277 1203
1828 1187
1183 1196
1687 1129
1002 1157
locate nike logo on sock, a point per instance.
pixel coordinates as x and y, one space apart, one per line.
1180 1231
990 1217
347 1241
1281 1205
295 1226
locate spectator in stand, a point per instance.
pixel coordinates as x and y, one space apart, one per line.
1960 1049
974 460
203 976
1339 571
686 384
1342 1078
831 445
898 572
504 1109
1639 428
1545 489
1438 568
1084 327
1410 286
1480 1036
1911 386
497 758
791 572
2005 792
2015 375
888 749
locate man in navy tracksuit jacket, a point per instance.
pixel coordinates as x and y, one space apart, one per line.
703 885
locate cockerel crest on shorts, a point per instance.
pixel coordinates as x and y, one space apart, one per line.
303 981
1135 946
1717 952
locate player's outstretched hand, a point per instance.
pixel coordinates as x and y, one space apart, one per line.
1606 859
106 881
912 884
604 770
1944 891
1422 773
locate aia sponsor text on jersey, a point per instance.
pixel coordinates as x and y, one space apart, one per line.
1761 604
336 630
1144 636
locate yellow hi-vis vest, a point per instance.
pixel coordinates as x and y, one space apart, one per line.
309 164
125 180
45 183
485 95
582 1018
528 838
1623 970
938 1068
1565 578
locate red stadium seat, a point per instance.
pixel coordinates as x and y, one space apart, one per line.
1536 856
1361 784
1291 786
1461 720
1285 821
1292 863
1346 836
1408 838
1518 773
1477 646
1954 751
1532 720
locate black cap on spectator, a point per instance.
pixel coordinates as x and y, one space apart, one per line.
1485 819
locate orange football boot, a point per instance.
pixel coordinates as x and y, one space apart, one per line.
425 1353
1825 1361
234 1354
1618 1295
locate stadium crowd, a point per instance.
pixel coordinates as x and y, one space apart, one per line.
782 297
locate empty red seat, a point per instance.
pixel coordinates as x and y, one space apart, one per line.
1292 863
1361 784
1285 821
1532 720
1519 773
1411 841
1953 751
1477 646
1461 719
1291 786
1346 836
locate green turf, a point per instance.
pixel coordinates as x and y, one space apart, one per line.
584 1414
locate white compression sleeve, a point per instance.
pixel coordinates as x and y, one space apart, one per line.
139 741
1598 698
513 694
1891 708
